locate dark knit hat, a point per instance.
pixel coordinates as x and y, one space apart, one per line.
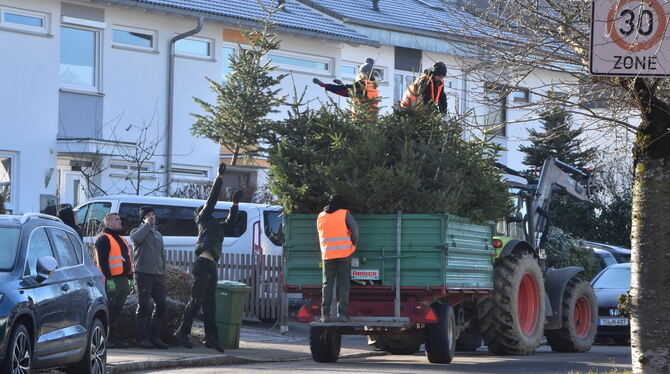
336 202
146 210
439 69
367 66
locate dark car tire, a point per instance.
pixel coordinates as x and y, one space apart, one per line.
95 358
18 356
324 343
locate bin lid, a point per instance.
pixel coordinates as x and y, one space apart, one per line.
232 285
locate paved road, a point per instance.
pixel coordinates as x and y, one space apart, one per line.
600 358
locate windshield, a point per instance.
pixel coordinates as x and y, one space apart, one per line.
9 243
613 278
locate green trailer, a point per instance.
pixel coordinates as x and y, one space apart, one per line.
411 274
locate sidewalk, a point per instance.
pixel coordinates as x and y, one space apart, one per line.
257 344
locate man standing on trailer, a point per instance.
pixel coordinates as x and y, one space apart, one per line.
208 252
338 235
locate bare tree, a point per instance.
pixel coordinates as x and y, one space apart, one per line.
516 43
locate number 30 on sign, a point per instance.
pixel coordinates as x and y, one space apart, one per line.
628 38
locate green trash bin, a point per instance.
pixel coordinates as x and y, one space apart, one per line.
230 299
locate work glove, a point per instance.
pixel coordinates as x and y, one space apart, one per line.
237 196
131 283
337 81
111 286
317 81
222 168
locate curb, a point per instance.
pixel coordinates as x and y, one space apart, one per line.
213 360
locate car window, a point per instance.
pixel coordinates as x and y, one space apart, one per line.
77 246
38 246
95 217
81 216
9 245
236 230
130 218
609 260
185 222
63 247
273 226
613 278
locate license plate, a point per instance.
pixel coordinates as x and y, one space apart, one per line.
613 321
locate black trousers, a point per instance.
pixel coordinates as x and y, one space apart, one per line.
149 318
202 295
116 300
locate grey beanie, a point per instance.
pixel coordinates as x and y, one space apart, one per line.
367 66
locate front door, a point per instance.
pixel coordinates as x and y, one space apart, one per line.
72 188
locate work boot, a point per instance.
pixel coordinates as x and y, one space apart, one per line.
213 344
183 340
146 344
114 342
159 344
325 317
155 335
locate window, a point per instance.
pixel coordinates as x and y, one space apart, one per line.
350 70
194 47
228 52
95 217
521 95
401 80
304 63
77 246
142 39
38 246
9 245
79 57
6 179
65 251
496 116
23 20
81 216
618 278
274 226
177 220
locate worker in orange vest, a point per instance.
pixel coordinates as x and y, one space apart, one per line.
364 87
338 235
429 87
115 263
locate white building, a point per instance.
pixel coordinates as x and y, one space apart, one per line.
86 84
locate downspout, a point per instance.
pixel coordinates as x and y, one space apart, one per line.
170 103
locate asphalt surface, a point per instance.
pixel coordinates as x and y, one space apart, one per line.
599 359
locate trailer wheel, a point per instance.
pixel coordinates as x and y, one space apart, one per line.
324 343
399 344
579 315
512 319
441 336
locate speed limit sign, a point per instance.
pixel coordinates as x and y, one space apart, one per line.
628 38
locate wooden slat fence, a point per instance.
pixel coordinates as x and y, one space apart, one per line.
260 272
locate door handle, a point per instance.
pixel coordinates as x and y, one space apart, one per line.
65 287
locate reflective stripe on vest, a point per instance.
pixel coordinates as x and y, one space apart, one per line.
412 93
115 258
334 236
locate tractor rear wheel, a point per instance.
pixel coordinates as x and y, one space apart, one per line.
512 319
580 316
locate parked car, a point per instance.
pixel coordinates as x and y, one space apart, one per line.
622 255
605 258
608 285
53 307
258 228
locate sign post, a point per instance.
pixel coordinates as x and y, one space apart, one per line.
628 38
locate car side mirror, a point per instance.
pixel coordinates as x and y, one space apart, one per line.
46 265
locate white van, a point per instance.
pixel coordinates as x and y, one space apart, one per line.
258 228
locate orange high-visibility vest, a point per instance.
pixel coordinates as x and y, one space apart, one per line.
115 258
412 94
371 93
334 236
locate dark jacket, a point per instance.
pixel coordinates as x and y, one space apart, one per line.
67 216
149 252
210 231
102 247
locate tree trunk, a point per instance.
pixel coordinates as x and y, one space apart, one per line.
650 282
236 154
